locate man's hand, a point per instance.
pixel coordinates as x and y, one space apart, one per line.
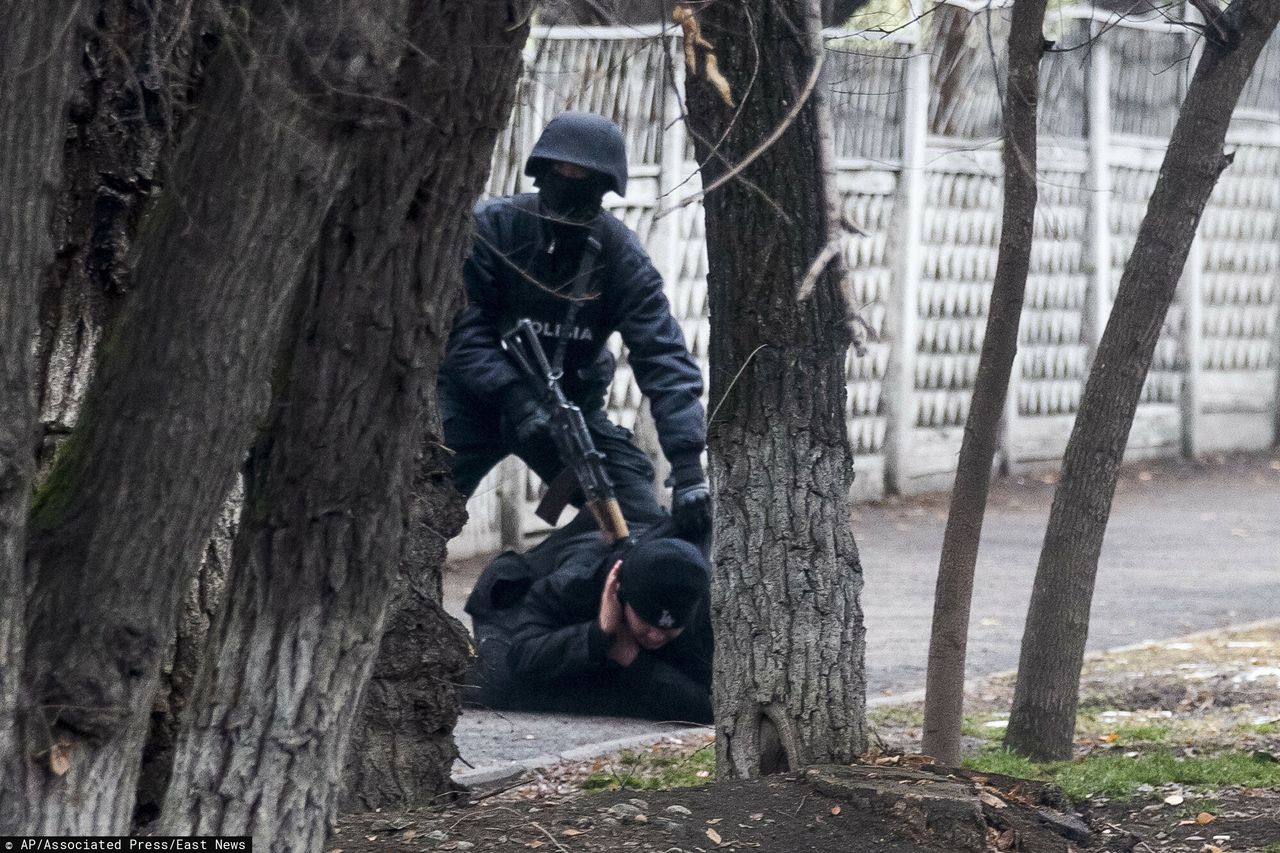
528 422
623 649
691 507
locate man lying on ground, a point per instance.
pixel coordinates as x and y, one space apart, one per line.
574 626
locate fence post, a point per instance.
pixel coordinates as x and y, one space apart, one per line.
1193 346
511 501
1098 263
903 311
1193 296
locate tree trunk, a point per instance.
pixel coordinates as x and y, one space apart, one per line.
1042 721
37 68
944 687
118 526
951 73
789 681
138 72
318 551
201 604
135 73
402 749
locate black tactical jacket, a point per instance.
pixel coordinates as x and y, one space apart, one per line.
547 602
521 266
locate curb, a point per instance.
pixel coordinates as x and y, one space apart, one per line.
512 770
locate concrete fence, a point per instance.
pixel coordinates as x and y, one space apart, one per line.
918 146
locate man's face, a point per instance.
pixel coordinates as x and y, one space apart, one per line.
648 637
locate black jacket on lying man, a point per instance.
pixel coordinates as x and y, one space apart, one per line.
575 627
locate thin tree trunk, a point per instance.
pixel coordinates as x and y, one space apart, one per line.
951 74
789 681
944 687
132 498
1042 721
36 72
318 551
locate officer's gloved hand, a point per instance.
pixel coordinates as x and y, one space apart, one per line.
690 500
526 421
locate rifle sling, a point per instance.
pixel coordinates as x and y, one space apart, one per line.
586 265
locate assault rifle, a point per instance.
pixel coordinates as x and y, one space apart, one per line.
569 432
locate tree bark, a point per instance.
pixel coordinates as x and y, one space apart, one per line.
402 749
118 526
944 686
318 550
37 68
136 75
789 682
1042 721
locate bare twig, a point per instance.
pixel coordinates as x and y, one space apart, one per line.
543 830
1212 19
769 141
828 253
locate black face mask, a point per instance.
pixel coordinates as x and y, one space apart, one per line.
575 199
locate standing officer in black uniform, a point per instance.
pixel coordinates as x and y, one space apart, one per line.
525 263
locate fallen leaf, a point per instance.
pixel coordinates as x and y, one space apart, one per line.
1173 800
835 810
409 835
371 838
534 844
713 821
1110 737
1205 817
887 760
714 836
571 831
60 758
992 800
758 816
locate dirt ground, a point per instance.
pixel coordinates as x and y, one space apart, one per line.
1195 696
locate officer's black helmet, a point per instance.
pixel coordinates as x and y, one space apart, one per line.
584 139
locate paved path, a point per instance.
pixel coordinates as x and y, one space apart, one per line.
1188 548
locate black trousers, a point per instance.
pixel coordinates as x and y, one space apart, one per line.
669 694
479 436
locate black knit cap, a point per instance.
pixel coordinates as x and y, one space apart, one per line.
663 580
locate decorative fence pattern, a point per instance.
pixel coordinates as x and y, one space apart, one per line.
917 136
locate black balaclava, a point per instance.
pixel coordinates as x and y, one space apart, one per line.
663 580
574 199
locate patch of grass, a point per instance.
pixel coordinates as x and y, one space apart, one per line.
1273 847
1118 777
649 771
1008 764
1259 728
1143 733
975 725
911 716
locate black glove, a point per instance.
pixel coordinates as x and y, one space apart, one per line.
690 501
526 421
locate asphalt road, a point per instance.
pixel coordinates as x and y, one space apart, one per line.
1189 547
